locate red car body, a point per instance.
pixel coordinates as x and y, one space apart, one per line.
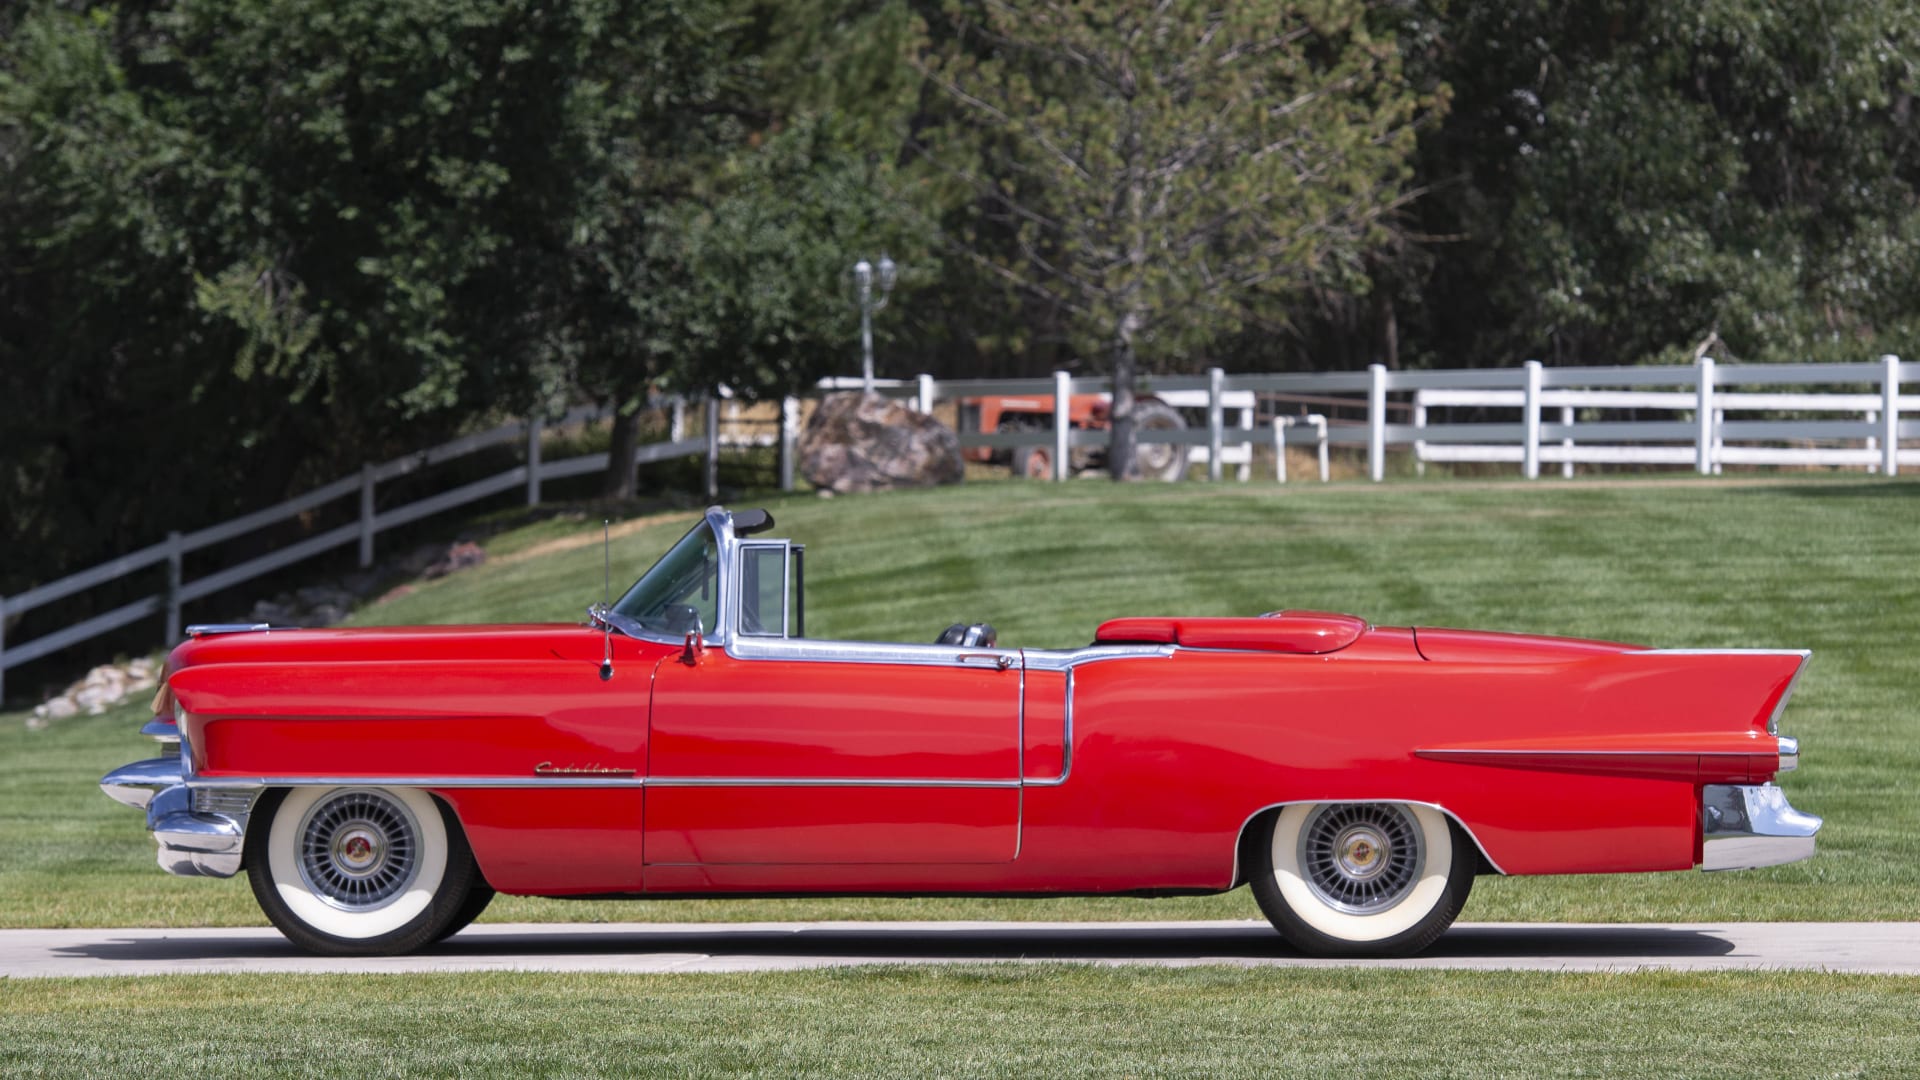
708 749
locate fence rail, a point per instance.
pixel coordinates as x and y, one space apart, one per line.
370 523
1528 415
1587 429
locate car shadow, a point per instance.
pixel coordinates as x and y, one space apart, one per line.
1092 942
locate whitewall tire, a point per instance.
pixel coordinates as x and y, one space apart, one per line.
1361 879
359 870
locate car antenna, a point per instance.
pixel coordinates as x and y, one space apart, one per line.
606 586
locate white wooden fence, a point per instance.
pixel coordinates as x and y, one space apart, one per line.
1857 415
1709 416
371 522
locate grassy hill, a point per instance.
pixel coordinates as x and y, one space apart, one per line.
1823 563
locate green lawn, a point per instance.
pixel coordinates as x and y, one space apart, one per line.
1826 563
1001 1021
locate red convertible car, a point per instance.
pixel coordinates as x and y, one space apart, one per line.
379 786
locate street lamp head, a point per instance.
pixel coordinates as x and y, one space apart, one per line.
863 274
888 273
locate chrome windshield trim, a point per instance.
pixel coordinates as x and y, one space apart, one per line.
210 629
726 549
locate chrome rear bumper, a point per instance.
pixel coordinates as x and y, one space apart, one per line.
1749 825
196 840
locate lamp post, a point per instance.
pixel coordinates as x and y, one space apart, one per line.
863 276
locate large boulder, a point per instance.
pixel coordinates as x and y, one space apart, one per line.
863 442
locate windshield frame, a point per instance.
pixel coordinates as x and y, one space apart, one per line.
726 550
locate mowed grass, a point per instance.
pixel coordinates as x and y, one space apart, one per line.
1001 1021
1831 564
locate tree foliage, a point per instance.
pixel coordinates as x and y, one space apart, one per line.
1161 175
1619 180
247 244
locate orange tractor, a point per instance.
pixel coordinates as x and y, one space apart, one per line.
1085 412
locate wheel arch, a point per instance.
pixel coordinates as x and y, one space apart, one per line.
1259 822
274 795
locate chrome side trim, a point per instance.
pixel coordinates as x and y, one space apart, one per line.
865 652
290 780
209 629
136 785
822 782
1773 721
1057 660
1750 825
1066 747
255 783
1801 653
1240 836
1632 751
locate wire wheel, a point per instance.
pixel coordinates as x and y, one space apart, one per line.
359 849
1360 858
1360 879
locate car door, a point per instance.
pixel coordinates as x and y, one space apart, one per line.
834 752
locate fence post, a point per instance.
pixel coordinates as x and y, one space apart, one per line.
1216 419
1280 449
173 588
366 516
713 446
535 425
1566 421
1319 423
1419 445
677 419
1703 413
926 393
789 433
1890 415
1062 422
1377 421
1530 419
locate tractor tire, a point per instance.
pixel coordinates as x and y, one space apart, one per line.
1159 461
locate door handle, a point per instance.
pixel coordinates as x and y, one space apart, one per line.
1001 661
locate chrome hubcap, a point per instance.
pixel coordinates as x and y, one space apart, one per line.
359 850
1360 858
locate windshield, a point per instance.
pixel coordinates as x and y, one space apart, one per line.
682 591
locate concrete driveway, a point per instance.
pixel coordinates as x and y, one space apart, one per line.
1884 948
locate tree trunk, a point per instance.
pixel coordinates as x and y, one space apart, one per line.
620 450
1120 463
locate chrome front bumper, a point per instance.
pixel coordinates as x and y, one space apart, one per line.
202 832
1749 825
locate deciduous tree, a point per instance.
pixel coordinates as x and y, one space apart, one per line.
1163 174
